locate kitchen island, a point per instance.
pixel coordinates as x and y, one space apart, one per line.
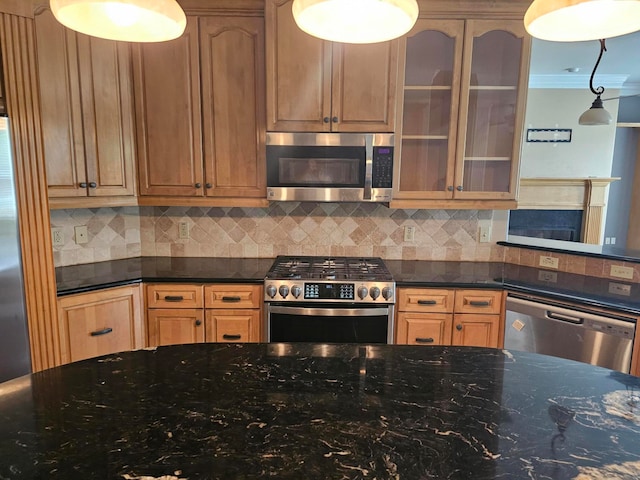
321 412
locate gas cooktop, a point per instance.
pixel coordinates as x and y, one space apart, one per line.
342 279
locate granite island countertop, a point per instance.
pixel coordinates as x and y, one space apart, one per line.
246 411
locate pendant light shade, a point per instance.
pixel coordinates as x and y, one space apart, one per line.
125 20
596 115
355 21
580 20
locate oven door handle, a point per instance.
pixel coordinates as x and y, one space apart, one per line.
329 311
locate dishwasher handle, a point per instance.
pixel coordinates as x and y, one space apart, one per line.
565 318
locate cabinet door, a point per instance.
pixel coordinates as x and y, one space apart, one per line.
232 61
492 102
175 326
424 329
472 330
363 94
233 326
60 107
107 111
298 74
168 110
430 74
99 323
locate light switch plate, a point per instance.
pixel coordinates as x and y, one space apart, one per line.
621 272
409 233
183 230
548 262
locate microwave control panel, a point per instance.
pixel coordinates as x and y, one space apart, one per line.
382 175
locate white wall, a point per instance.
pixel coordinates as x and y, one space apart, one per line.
590 153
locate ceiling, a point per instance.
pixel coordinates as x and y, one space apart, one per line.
619 67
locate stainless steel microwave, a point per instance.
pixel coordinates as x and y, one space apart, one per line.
329 167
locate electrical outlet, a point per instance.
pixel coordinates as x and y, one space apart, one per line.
484 231
82 235
546 276
620 289
409 233
621 272
548 262
58 237
183 230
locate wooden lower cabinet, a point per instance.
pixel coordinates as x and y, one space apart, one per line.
203 313
100 322
449 317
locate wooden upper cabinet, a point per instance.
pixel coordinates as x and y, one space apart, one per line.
464 84
319 86
87 112
200 110
233 86
168 110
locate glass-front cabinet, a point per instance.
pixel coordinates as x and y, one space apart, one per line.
462 113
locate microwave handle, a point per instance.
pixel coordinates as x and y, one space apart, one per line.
368 166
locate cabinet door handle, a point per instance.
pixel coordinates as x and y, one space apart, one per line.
229 336
174 298
93 184
459 188
450 188
198 323
424 340
326 119
479 303
459 327
83 184
208 185
334 119
198 185
104 331
231 299
427 302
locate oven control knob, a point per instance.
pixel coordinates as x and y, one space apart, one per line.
284 291
374 292
387 293
363 292
271 291
296 291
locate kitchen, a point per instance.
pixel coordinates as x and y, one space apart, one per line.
248 227
189 223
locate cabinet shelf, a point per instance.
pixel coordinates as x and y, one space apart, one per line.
428 87
425 137
487 159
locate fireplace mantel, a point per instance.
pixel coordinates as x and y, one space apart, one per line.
586 194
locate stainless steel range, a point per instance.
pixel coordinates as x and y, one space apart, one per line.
329 300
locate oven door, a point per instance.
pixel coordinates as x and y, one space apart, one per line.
330 323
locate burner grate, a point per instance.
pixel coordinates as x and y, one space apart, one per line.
329 268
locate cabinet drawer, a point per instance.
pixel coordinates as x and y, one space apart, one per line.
425 300
174 296
478 301
418 329
233 326
233 296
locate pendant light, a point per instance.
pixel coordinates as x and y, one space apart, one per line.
355 21
580 20
125 20
596 115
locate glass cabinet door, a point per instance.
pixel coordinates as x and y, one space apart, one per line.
492 101
426 147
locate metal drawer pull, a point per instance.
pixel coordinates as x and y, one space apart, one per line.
231 299
479 303
427 302
424 340
104 331
228 336
174 298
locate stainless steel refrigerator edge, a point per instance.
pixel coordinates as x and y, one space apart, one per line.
15 358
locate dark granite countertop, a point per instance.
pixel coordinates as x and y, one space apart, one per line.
406 273
247 411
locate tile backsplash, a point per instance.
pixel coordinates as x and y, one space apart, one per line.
281 229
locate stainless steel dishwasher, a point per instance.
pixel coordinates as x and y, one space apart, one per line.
575 333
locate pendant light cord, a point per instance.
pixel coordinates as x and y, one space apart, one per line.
600 90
